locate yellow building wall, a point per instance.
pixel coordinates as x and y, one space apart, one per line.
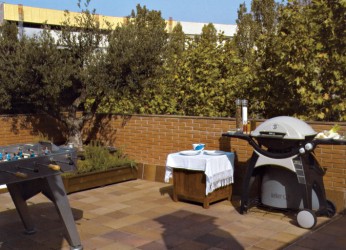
11 12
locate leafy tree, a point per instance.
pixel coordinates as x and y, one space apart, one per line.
11 65
134 59
273 92
286 60
246 34
245 61
82 44
255 41
330 56
74 73
177 41
33 71
163 99
296 55
312 53
265 15
200 78
57 77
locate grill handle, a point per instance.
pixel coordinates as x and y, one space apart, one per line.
268 134
293 152
257 148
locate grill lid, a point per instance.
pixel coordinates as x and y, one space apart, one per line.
284 127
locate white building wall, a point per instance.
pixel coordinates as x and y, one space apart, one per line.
190 28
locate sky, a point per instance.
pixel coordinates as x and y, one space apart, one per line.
204 11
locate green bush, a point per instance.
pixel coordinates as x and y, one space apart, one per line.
99 158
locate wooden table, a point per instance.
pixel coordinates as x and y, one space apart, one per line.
192 177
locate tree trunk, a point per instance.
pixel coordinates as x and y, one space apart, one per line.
75 138
74 125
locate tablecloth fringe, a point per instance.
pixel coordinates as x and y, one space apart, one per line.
214 183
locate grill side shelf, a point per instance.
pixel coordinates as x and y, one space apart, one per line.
237 135
329 142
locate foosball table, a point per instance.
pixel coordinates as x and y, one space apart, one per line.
30 169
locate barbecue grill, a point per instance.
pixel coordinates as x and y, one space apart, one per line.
29 169
289 174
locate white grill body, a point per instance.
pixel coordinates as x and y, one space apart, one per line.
285 162
292 128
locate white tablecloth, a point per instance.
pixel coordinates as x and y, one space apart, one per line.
217 168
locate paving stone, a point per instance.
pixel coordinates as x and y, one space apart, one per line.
142 215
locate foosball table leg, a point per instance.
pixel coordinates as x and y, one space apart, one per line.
22 207
59 198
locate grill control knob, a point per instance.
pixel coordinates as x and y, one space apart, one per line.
309 146
302 150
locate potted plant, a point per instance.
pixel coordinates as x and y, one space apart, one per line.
98 166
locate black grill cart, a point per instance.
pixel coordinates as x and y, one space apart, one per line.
290 176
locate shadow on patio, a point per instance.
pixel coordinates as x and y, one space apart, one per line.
141 215
49 228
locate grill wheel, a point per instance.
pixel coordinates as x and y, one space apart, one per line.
306 218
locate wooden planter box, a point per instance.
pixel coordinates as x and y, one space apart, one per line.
190 185
75 183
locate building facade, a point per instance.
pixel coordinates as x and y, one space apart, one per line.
31 19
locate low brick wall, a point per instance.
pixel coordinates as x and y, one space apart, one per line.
22 129
148 139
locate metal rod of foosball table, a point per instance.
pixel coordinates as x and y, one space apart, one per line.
30 169
70 162
18 174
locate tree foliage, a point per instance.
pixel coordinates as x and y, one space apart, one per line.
134 59
12 67
311 58
285 59
163 98
297 56
198 74
73 76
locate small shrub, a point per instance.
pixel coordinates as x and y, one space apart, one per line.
98 158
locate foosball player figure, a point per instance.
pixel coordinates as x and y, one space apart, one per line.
15 156
31 152
1 156
8 156
20 153
46 151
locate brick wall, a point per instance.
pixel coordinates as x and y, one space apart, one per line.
22 129
149 139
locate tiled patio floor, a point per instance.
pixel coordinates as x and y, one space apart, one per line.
141 215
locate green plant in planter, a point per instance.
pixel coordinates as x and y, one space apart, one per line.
99 158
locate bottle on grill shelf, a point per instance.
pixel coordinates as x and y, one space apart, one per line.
244 114
238 119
